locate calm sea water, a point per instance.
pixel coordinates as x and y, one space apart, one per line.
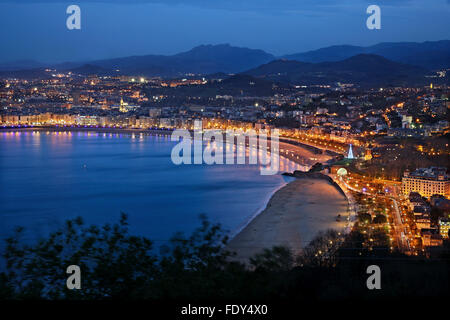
49 177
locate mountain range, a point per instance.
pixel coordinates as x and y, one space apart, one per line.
385 62
429 54
204 59
363 69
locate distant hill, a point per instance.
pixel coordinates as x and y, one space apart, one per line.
21 65
38 73
203 59
280 69
234 85
218 61
90 69
362 69
224 58
429 54
241 84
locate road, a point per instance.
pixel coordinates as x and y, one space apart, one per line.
400 230
401 234
351 201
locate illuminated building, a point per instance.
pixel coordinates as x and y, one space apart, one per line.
426 182
123 106
444 227
430 238
86 120
368 155
423 221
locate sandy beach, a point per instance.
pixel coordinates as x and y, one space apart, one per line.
293 216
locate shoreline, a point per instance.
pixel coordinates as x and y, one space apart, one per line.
90 129
294 215
257 212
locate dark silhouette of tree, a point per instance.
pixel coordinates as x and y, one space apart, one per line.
113 263
380 218
276 259
365 218
117 265
321 251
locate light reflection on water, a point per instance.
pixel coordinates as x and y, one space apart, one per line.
47 177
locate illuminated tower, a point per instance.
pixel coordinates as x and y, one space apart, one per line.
123 106
350 153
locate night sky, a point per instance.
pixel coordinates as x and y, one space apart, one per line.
36 29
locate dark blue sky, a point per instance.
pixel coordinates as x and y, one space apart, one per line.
36 29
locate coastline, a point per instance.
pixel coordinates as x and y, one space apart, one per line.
257 211
89 129
293 216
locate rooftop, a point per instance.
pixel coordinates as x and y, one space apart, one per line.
429 173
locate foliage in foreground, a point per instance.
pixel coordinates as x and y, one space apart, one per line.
117 265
